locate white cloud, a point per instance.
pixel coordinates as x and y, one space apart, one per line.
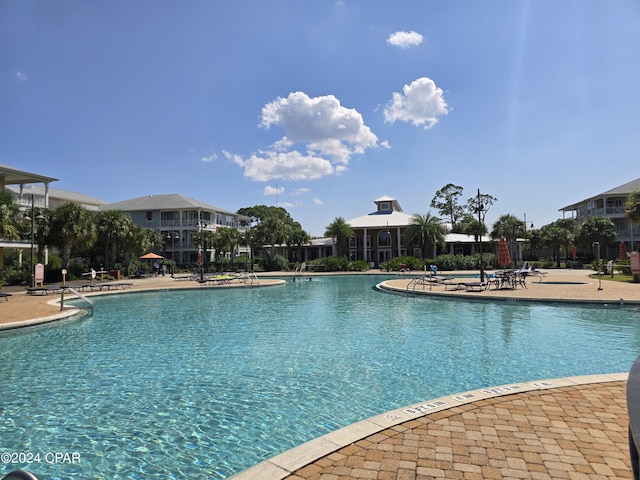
317 201
405 39
329 133
285 165
20 76
421 103
211 158
300 191
269 190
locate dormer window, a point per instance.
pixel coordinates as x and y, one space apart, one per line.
385 206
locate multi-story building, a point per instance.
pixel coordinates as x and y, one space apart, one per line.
179 219
610 204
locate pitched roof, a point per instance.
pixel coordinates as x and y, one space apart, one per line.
13 176
170 201
381 219
387 198
58 194
622 190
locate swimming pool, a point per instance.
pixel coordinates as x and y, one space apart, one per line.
205 383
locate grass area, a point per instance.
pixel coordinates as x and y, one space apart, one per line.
615 278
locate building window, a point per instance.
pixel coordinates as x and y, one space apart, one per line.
149 216
384 238
353 242
190 218
385 206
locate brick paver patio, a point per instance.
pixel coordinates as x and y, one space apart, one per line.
575 432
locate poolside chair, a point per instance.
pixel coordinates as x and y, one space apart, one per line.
535 272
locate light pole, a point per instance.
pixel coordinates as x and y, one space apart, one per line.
172 235
201 226
479 210
525 235
32 219
597 247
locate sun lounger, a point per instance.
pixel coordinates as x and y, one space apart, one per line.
5 296
38 291
475 286
182 278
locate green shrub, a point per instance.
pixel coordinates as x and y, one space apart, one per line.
359 266
275 263
15 276
335 264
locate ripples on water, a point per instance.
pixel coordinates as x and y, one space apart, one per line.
205 383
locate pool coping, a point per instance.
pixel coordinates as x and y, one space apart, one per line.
284 464
81 312
386 287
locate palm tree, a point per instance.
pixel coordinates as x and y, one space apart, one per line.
229 239
554 236
72 226
8 212
426 231
297 237
339 229
113 228
273 228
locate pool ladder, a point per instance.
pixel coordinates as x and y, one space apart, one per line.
79 295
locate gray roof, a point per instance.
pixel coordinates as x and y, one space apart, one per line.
170 201
13 176
621 191
58 194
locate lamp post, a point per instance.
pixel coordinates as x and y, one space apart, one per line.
172 236
525 234
479 210
201 226
597 247
32 219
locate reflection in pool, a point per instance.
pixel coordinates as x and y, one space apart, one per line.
205 383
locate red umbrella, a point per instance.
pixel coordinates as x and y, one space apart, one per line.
199 262
504 257
622 251
573 252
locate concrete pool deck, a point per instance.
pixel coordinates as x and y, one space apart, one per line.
574 428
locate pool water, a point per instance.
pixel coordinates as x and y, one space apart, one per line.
205 383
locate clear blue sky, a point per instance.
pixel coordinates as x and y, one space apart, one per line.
323 106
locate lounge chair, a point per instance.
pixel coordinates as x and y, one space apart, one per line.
5 296
535 272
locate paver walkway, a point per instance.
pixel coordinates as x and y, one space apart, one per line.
570 432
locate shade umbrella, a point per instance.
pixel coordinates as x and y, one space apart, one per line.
504 257
622 251
150 256
573 252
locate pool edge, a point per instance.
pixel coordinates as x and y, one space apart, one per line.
284 464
